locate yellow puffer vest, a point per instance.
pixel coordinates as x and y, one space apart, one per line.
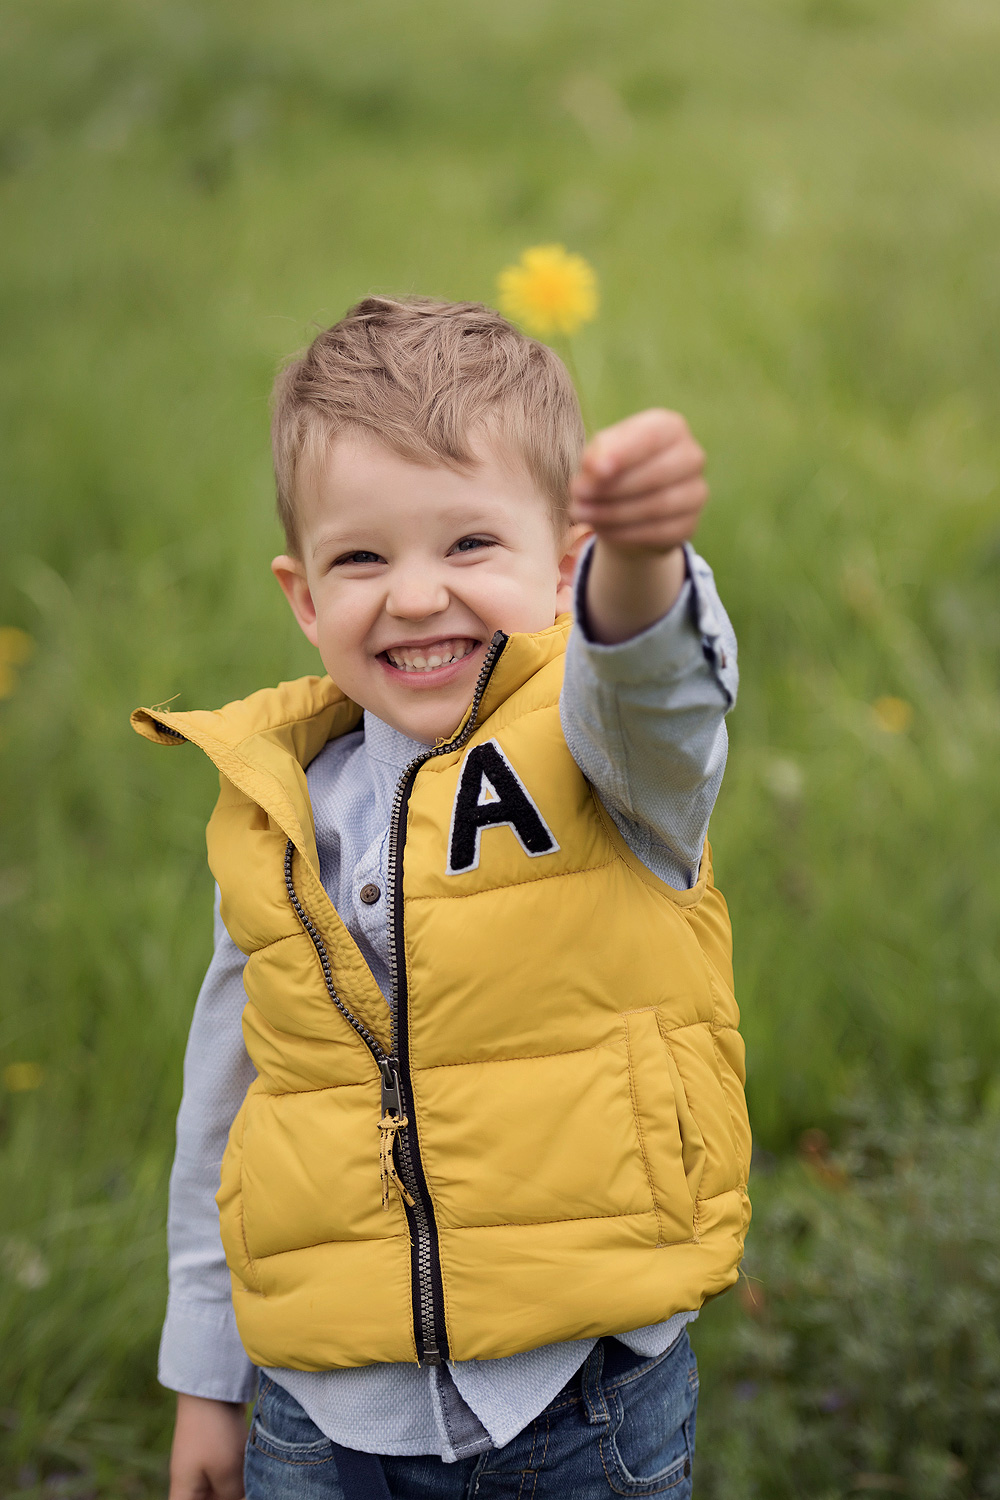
561 1086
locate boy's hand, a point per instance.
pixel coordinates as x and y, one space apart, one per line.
206 1461
641 490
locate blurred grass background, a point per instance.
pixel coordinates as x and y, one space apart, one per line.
793 208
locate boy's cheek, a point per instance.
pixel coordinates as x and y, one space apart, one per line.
340 620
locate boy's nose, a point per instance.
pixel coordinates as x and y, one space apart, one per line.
415 594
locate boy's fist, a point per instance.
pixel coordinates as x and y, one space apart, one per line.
641 484
206 1462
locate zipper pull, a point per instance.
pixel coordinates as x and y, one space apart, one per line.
391 1123
392 1102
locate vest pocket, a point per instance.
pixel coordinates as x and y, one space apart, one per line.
672 1148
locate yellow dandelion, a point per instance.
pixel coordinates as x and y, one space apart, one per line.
15 648
22 1077
549 291
893 715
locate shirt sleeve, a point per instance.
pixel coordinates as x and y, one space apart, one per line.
200 1349
645 721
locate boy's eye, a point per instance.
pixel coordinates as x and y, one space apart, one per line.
472 544
359 557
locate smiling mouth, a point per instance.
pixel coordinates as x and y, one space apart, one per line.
429 658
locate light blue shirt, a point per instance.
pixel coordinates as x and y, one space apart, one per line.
644 720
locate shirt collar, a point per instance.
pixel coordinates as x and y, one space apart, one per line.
388 745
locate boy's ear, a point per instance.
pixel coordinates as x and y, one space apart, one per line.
575 540
291 574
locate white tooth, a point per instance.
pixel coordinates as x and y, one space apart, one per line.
447 652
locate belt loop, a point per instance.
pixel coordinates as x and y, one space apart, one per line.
593 1394
361 1474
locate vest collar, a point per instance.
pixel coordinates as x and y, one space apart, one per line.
521 658
263 743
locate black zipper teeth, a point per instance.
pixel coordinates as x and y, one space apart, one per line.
371 1042
432 1345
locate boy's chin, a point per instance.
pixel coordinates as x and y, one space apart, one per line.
427 722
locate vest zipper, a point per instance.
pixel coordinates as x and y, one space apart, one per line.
371 1042
398 1127
425 1260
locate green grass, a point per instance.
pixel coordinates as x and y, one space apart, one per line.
792 208
862 1352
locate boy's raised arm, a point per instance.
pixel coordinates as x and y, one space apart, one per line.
651 665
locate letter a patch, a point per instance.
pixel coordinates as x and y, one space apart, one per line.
492 795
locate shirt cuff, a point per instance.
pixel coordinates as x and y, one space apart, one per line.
201 1353
691 633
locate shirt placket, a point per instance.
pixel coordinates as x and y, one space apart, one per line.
368 895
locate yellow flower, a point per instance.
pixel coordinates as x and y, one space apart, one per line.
549 291
22 1077
15 648
893 715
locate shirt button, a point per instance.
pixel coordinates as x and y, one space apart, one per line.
370 894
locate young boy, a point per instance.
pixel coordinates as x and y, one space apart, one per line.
487 1144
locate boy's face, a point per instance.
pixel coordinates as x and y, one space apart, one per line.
406 572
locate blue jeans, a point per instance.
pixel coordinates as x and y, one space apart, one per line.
624 1425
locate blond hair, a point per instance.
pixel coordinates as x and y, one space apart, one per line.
425 379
